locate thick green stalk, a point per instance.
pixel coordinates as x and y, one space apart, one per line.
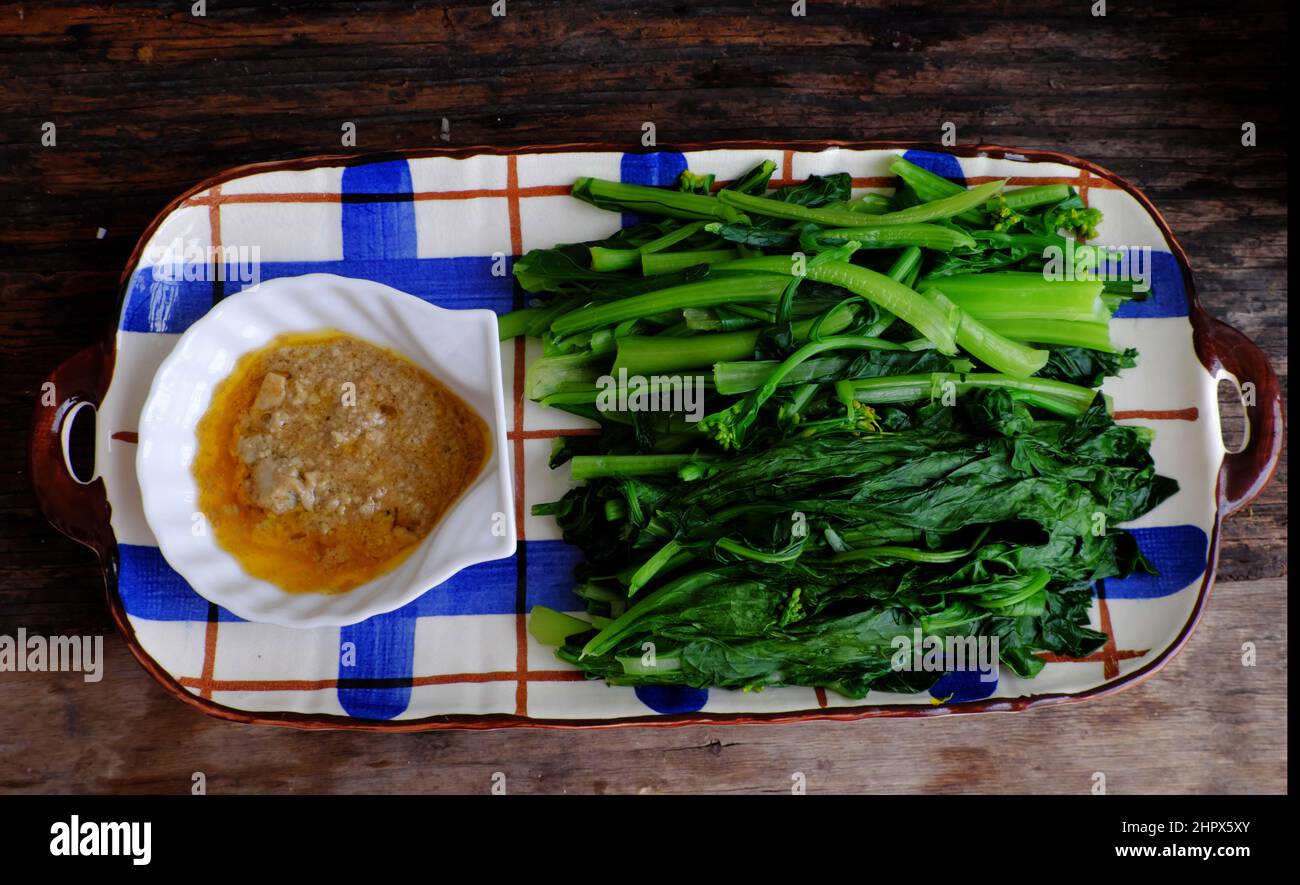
533 321
645 354
606 260
686 231
515 323
867 204
656 263
911 307
652 566
550 313
1019 295
550 627
552 374
737 549
907 261
1069 400
597 466
616 196
741 376
598 395
1035 195
707 319
910 554
929 187
789 412
1002 240
907 265
931 211
991 348
1063 333
678 329
705 293
734 377
930 236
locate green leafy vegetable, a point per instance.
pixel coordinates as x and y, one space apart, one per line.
895 426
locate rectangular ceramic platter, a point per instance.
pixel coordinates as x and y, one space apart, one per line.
446 230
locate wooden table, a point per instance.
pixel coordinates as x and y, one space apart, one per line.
147 99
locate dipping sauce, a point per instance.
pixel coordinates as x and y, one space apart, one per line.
324 460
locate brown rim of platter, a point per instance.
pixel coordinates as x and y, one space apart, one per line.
81 510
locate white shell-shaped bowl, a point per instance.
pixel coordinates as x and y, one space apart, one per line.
459 347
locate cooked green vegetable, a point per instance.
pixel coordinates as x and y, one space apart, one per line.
746 289
1058 397
651 200
898 428
932 211
931 236
936 324
988 346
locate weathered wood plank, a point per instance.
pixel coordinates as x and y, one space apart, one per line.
149 100
1203 724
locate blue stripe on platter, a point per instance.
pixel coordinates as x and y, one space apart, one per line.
660 169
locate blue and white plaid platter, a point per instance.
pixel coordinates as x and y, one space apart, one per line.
446 229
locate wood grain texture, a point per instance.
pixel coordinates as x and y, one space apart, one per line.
148 99
1204 724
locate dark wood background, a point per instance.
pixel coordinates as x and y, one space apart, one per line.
148 99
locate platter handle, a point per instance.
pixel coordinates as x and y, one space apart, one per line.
1229 354
79 509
